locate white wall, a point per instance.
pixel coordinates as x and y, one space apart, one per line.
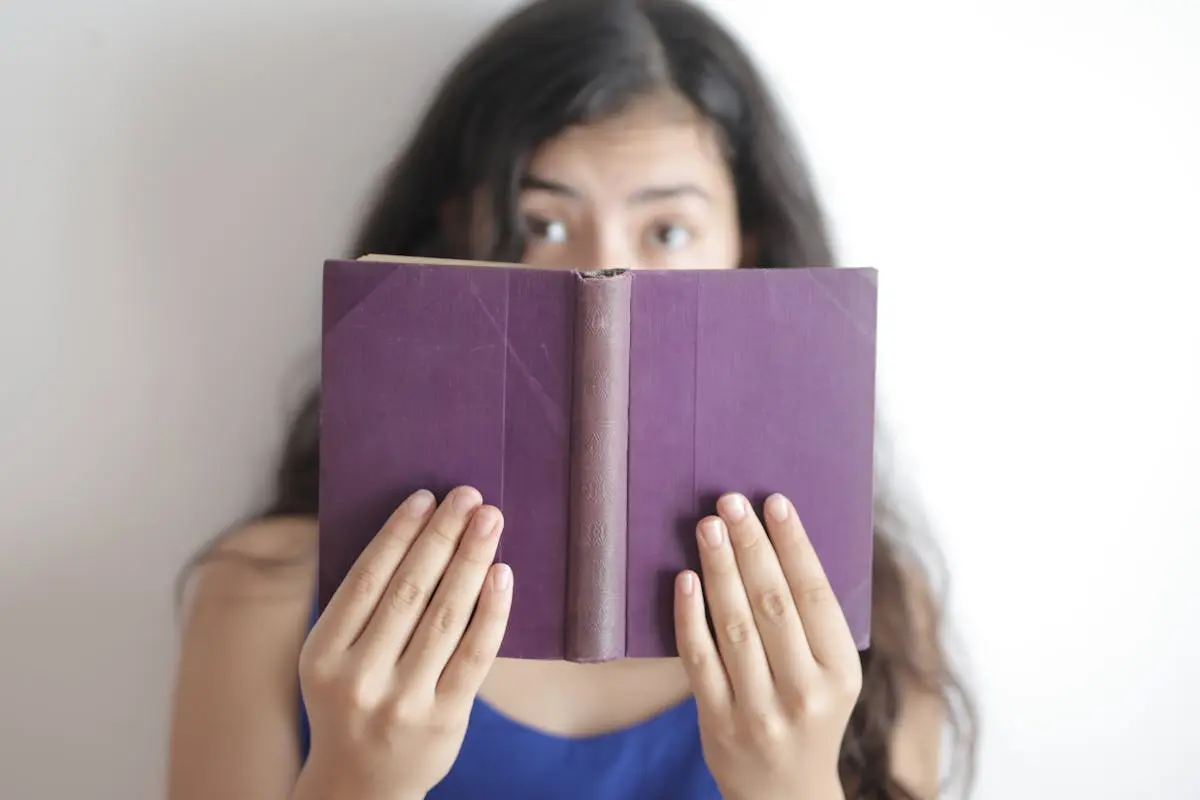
1025 175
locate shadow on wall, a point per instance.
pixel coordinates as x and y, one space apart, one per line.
202 194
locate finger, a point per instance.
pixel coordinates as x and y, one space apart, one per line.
403 602
443 623
737 636
825 626
774 609
696 647
347 613
475 654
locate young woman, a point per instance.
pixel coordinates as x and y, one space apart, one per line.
577 134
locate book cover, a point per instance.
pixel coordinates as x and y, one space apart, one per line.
603 413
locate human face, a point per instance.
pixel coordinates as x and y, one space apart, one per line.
645 189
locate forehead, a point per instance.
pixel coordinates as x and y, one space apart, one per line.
654 140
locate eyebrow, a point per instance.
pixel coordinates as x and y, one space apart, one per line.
647 195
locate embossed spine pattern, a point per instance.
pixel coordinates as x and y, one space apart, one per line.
596 556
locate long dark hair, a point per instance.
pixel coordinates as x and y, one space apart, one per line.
559 63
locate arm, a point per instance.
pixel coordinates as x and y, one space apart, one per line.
916 745
235 725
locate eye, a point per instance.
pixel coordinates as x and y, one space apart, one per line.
671 236
553 231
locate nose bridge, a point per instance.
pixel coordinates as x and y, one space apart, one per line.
613 245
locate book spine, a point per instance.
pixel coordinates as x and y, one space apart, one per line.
599 470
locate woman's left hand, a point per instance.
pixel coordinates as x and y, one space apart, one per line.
776 688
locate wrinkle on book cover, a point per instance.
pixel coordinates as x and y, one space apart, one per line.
603 413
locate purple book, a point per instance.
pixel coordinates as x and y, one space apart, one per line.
603 413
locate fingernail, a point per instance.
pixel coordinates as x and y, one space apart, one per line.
732 507
777 507
465 499
418 503
687 583
502 578
485 522
712 531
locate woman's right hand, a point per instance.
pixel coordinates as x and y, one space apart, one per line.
392 667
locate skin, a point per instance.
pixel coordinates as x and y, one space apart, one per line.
390 670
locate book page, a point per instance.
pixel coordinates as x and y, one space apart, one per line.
450 262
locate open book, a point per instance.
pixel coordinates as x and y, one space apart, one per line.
603 413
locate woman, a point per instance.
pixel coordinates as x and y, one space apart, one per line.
576 134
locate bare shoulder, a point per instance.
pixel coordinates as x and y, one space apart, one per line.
236 714
917 735
272 557
278 538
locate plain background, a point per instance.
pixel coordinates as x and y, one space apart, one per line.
1024 174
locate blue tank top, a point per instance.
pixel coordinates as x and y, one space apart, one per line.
659 759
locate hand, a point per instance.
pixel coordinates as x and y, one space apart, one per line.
776 689
391 669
